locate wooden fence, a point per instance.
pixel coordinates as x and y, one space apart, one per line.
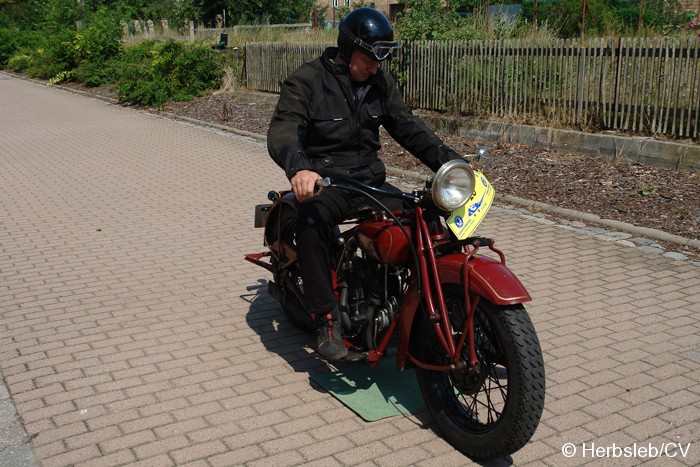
640 85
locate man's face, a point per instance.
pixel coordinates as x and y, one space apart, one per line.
362 66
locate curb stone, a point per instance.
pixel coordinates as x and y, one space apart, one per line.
15 449
642 234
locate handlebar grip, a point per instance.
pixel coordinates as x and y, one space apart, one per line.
483 241
321 183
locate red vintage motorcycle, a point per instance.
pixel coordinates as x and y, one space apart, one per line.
418 277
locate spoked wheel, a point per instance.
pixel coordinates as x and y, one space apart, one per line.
282 232
493 410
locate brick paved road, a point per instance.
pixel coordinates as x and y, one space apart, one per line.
129 335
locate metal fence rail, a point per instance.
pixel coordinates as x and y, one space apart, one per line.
640 85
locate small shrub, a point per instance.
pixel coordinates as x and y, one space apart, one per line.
62 77
19 62
101 39
152 73
94 74
14 41
140 86
99 46
7 44
60 54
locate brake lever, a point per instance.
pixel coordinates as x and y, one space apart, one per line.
482 155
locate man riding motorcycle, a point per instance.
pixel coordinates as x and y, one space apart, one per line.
327 123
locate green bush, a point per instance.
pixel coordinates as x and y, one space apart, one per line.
101 39
151 73
427 20
19 62
60 51
99 46
8 47
59 54
12 41
94 74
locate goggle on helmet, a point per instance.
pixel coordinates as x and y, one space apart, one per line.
380 50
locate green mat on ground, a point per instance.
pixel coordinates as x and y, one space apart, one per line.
374 393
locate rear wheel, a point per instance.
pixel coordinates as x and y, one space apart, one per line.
494 410
281 235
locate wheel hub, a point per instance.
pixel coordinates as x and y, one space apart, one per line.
470 379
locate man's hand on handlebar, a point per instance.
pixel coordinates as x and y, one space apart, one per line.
305 184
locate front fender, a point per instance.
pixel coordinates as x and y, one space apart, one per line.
488 278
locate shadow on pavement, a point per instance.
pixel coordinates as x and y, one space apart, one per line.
296 347
279 335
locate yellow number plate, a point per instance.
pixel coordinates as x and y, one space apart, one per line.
464 221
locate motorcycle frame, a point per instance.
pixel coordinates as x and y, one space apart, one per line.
477 275
435 305
481 277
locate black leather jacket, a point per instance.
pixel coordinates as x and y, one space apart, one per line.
322 124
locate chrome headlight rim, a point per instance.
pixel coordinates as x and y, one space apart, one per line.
441 183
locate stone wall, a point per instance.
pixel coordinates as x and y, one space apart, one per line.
632 148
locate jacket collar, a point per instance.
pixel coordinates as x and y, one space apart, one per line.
341 69
328 62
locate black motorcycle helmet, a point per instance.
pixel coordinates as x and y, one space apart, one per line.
369 31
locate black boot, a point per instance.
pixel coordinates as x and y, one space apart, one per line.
330 342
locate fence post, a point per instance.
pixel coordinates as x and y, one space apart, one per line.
617 54
125 29
581 80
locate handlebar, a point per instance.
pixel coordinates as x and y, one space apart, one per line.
333 181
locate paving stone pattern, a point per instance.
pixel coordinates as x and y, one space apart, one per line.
133 333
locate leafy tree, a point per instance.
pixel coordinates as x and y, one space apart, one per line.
605 16
462 20
259 11
186 10
20 14
61 14
343 11
426 20
465 7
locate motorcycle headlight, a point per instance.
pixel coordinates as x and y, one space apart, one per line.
453 185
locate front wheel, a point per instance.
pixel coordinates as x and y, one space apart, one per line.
492 412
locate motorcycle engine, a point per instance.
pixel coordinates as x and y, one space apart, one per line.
368 300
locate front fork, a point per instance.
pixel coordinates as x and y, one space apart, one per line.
436 307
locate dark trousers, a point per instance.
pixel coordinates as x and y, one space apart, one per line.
316 222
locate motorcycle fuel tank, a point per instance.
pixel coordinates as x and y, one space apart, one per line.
384 241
